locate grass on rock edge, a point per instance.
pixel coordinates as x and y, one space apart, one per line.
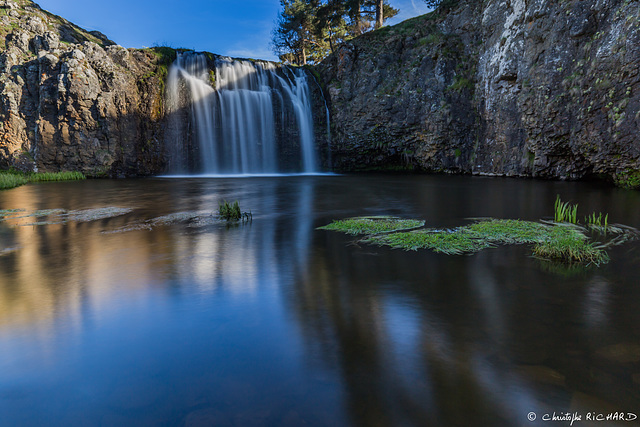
12 179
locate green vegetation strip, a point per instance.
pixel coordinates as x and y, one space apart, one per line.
12 179
9 180
450 242
557 242
372 225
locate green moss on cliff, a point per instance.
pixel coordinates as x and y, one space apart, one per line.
629 179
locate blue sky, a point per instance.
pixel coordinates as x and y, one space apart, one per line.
227 27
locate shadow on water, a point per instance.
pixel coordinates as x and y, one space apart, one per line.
277 323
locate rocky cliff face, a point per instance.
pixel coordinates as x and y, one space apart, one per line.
73 100
517 88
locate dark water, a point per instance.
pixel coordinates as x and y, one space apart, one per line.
276 323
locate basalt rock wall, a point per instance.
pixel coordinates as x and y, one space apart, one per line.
518 88
73 100
529 88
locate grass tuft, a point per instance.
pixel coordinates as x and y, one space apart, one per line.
564 212
571 250
228 211
597 221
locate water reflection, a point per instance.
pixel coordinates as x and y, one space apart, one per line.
273 322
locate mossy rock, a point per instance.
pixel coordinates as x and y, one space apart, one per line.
629 179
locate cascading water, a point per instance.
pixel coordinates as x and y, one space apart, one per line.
242 117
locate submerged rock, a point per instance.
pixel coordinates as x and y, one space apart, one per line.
621 353
61 216
188 218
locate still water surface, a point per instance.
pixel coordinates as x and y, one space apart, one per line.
277 323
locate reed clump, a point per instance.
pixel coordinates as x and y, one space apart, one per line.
228 211
564 212
594 220
232 212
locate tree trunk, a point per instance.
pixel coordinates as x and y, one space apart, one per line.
330 40
379 14
304 56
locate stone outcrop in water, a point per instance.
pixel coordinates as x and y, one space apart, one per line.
73 100
516 88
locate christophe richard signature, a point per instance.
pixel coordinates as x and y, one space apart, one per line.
572 417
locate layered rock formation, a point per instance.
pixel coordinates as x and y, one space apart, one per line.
73 100
516 88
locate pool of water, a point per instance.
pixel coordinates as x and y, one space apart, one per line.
115 322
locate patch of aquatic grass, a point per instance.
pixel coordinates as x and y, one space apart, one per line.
372 225
597 221
11 179
55 176
508 231
570 247
553 241
228 211
564 212
451 242
629 179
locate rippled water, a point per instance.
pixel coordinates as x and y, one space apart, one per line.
121 321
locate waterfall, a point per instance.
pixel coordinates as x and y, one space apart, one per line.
231 116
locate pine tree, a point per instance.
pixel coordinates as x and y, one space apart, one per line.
294 35
330 24
309 30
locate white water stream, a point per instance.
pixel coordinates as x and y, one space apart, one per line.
255 120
